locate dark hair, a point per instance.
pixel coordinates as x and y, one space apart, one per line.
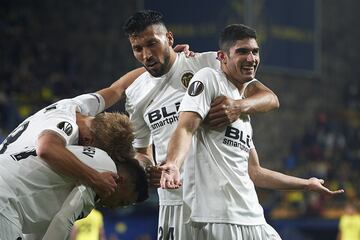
141 20
233 33
138 176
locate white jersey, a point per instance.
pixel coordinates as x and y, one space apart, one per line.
217 186
59 117
31 193
153 103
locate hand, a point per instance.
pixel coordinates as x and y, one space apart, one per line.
153 176
184 48
105 184
170 176
222 112
316 185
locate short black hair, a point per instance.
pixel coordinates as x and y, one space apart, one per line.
138 176
233 33
141 20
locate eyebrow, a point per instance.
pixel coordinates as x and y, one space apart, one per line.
242 49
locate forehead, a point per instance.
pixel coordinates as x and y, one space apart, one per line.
248 43
155 31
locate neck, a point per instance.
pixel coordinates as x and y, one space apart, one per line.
83 122
232 79
172 59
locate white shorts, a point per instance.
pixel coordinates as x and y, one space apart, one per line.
9 230
170 223
220 231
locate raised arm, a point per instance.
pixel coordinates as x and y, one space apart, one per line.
178 149
266 178
51 148
258 98
116 91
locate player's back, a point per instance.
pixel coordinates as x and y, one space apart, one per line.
32 193
59 117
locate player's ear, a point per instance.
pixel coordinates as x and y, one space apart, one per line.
221 56
170 38
88 141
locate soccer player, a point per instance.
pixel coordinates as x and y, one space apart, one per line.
154 98
75 121
220 200
35 199
89 228
349 222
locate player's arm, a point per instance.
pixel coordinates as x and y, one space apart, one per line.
73 233
102 235
116 91
73 207
266 178
51 148
258 98
178 148
146 160
144 156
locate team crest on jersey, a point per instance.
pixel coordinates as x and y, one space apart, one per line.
195 88
66 127
185 78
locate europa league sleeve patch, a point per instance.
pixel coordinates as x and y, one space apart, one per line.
65 127
195 88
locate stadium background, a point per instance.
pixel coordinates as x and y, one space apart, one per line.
58 49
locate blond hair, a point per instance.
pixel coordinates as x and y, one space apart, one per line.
113 133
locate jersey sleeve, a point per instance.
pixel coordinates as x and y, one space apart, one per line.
64 126
201 91
141 130
90 104
78 204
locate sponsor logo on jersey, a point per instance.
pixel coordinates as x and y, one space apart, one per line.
66 127
237 138
185 78
195 88
163 116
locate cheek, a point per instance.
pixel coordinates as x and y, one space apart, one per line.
138 56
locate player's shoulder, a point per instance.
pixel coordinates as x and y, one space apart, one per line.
208 77
208 71
203 58
139 92
139 86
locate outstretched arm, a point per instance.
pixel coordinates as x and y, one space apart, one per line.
116 91
258 98
51 148
266 178
178 148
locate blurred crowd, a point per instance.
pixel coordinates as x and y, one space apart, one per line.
51 51
329 149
